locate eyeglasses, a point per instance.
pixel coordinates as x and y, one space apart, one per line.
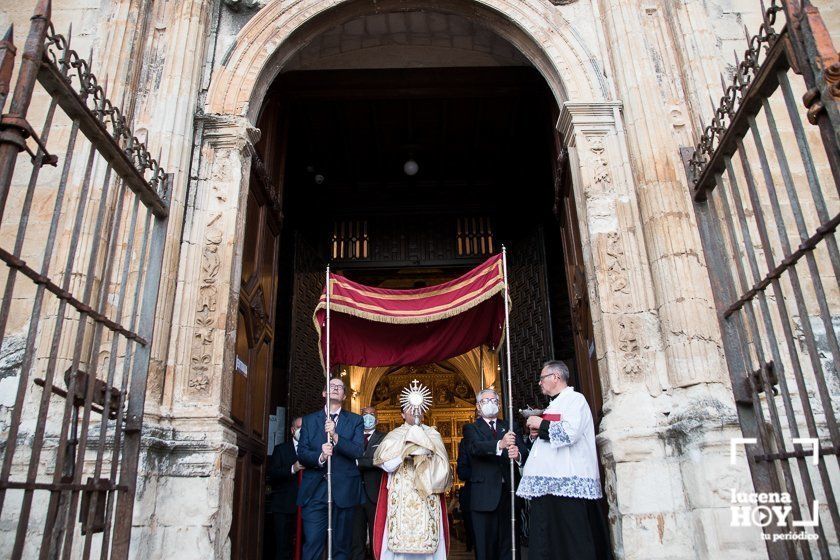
542 377
482 401
336 387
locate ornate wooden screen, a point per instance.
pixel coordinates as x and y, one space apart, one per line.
765 188
306 374
530 324
83 230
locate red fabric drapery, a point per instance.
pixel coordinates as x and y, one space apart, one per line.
380 327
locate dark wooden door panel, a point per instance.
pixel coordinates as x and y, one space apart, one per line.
252 368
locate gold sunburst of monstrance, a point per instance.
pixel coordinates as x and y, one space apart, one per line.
416 398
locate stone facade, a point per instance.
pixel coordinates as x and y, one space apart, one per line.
631 78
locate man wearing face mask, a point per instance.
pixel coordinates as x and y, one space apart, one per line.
371 477
491 445
283 475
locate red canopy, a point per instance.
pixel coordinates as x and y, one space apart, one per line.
380 327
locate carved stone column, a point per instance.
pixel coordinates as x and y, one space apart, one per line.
169 86
662 503
211 258
648 81
623 304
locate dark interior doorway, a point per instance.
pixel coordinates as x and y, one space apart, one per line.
335 162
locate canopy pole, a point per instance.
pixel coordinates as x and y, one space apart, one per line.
329 436
509 406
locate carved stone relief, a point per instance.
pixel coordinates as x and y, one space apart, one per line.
617 268
628 343
600 167
202 347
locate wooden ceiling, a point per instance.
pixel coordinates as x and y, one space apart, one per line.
481 137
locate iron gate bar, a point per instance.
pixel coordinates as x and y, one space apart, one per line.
825 314
7 63
807 246
736 349
104 287
801 454
754 334
127 362
44 406
37 163
81 331
112 365
11 442
755 80
719 137
124 172
134 415
793 197
817 60
758 216
17 264
13 134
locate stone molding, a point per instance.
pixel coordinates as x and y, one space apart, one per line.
587 117
262 47
228 131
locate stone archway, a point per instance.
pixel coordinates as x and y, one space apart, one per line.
616 264
280 29
590 124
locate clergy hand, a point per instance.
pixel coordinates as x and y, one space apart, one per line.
533 422
513 452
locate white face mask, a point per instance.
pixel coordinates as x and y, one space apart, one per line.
370 421
489 409
296 435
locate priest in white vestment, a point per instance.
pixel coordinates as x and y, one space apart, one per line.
411 521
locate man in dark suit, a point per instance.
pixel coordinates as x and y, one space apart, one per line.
371 477
314 450
464 470
533 434
491 445
283 475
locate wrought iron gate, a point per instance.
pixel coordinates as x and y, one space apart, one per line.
765 188
85 216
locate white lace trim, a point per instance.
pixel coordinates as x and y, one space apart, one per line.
569 486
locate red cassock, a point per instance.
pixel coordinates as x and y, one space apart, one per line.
381 327
382 515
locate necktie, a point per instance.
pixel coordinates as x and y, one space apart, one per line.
493 427
333 416
367 439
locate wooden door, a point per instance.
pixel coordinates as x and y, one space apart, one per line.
253 366
585 377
